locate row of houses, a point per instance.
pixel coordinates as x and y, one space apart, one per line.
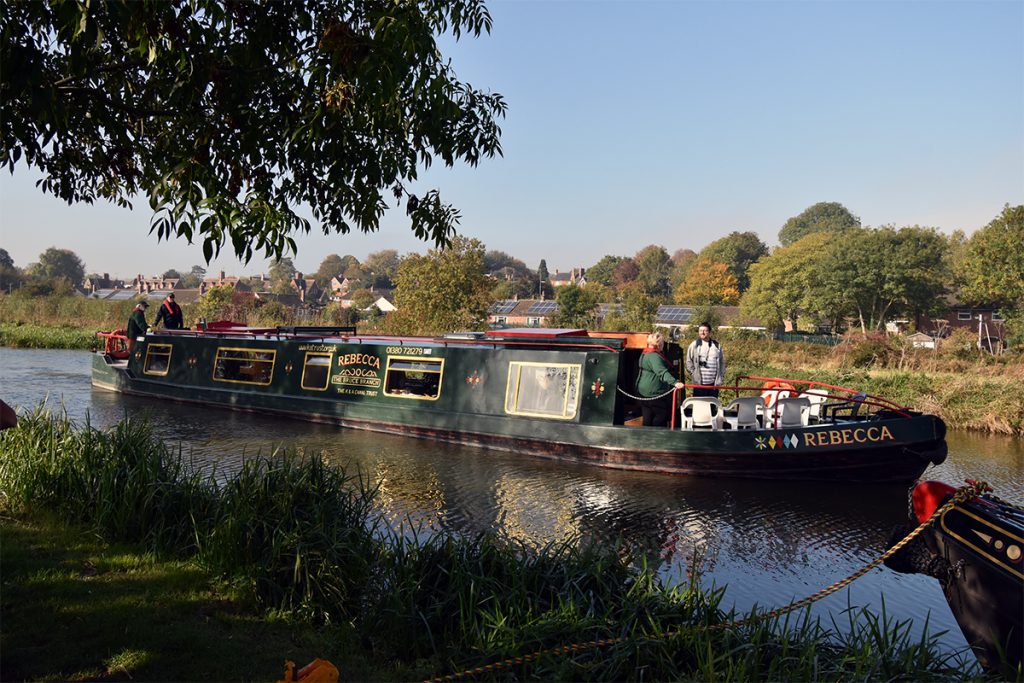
305 291
307 294
984 320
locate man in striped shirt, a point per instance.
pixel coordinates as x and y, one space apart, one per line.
705 362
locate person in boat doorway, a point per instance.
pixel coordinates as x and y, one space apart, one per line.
137 325
170 314
705 362
655 379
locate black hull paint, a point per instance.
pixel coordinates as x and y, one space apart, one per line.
974 550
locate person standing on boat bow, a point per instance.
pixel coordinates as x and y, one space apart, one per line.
705 362
170 313
137 324
656 379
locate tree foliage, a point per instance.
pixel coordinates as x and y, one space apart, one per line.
876 274
577 307
281 273
822 217
638 311
786 283
603 272
653 269
444 291
708 282
737 250
871 275
331 266
228 116
56 264
381 268
681 262
991 270
5 259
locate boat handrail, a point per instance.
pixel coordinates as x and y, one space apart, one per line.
275 333
811 385
867 400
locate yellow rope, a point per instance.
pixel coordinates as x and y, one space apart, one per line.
962 494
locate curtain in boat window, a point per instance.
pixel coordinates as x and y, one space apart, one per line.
542 390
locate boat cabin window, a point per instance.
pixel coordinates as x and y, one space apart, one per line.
158 359
542 390
413 378
247 366
316 371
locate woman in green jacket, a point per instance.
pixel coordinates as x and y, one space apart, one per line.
656 379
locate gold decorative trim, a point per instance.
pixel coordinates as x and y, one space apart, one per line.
980 551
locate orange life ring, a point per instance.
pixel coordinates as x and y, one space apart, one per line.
773 391
116 344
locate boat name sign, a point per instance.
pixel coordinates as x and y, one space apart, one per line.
827 437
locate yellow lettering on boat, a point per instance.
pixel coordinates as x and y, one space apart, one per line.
810 439
886 434
834 437
847 436
359 359
873 434
858 435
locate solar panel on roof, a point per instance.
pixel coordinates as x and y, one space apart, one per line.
542 307
504 306
123 295
675 313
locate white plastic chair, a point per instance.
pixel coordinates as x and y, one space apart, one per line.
743 412
817 400
793 412
701 412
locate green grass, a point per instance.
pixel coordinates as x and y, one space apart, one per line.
126 565
32 336
78 608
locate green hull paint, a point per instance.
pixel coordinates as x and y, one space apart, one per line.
470 406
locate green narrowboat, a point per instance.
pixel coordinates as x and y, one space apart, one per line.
553 393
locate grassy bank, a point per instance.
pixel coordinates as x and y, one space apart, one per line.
139 569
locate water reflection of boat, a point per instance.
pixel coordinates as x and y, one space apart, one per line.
560 394
975 551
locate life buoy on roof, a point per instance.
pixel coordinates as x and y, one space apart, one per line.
774 390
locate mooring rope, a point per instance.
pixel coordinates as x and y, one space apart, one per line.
962 494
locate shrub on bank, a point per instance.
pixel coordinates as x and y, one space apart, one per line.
303 538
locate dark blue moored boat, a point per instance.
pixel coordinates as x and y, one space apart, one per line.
562 394
975 551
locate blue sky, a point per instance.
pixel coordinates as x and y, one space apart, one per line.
675 123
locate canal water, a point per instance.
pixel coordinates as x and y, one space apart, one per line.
768 543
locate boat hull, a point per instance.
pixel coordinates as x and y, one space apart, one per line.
897 449
975 550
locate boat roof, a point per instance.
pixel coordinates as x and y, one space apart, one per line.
527 336
537 332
